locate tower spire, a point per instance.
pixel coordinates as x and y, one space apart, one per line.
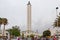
29 3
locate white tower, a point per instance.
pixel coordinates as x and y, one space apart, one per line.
29 31
29 17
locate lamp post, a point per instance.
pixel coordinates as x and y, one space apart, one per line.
57 15
57 21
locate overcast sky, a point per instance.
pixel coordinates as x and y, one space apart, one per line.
43 13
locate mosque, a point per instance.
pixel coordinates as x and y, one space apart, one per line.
29 30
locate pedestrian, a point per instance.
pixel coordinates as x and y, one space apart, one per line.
18 38
32 38
43 38
54 38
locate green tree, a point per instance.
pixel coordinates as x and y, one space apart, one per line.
46 33
22 35
3 21
28 36
15 31
32 35
57 22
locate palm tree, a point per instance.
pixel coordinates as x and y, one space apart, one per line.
4 22
57 22
57 25
0 22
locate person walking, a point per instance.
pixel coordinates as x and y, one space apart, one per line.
18 38
55 38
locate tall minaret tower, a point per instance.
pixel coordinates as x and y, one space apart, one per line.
29 17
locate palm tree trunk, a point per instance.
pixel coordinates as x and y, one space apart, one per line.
3 32
0 26
10 37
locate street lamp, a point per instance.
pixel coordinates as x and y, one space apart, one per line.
57 20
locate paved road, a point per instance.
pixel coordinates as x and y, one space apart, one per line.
13 39
7 39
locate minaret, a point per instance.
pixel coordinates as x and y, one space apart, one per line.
29 17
